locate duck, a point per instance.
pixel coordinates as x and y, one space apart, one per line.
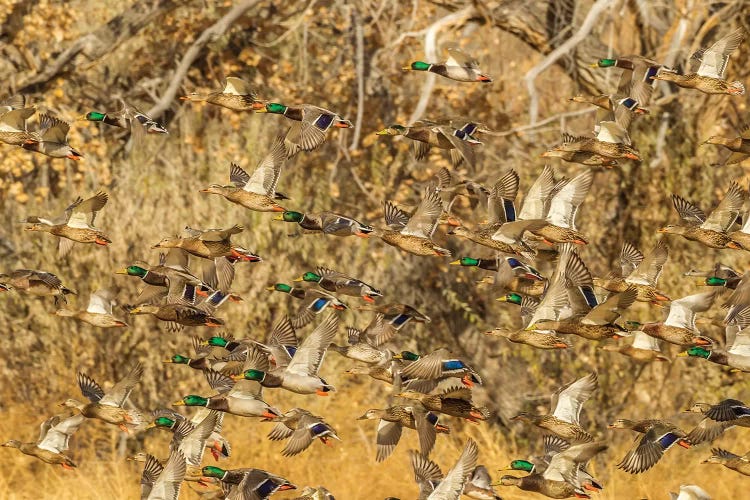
679 328
301 428
479 485
178 310
427 134
313 302
636 84
300 375
709 75
611 143
98 313
583 157
248 483
217 444
413 234
739 146
717 418
208 244
53 441
204 358
364 347
256 192
566 404
236 95
108 406
643 348
736 356
242 398
729 460
314 124
397 315
711 231
516 276
334 281
163 481
437 365
13 116
172 267
53 139
538 340
432 484
647 451
327 222
459 67
125 117
75 225
188 437
33 282
639 272
453 401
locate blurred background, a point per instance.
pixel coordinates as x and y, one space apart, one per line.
83 55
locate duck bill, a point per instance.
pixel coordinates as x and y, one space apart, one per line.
179 403
124 270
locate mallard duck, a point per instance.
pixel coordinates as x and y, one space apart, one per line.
53 139
739 146
459 66
242 398
76 224
39 283
217 444
53 440
314 123
313 302
413 233
188 437
612 143
209 244
566 406
337 282
729 460
108 406
394 418
427 134
517 276
642 426
249 483
539 340
639 272
13 117
256 192
301 428
98 313
636 82
364 347
179 314
124 118
236 95
479 485
736 356
163 482
438 365
432 484
327 222
204 358
712 230
598 323
644 348
711 67
397 315
679 327
319 493
648 449
583 157
453 401
717 419
301 374
172 268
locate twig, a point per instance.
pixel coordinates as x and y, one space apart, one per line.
430 52
288 32
360 68
215 30
547 120
586 27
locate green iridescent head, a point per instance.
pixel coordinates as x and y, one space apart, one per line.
523 465
136 271
291 216
95 116
257 375
513 298
420 66
211 471
281 287
468 261
407 355
312 277
715 281
698 352
193 400
275 107
606 63
164 422
217 342
179 359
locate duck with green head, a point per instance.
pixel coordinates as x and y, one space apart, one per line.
314 124
730 282
327 222
438 365
241 403
313 302
258 483
737 355
428 134
487 264
334 281
124 118
459 67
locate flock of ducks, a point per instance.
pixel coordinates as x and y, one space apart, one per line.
427 388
